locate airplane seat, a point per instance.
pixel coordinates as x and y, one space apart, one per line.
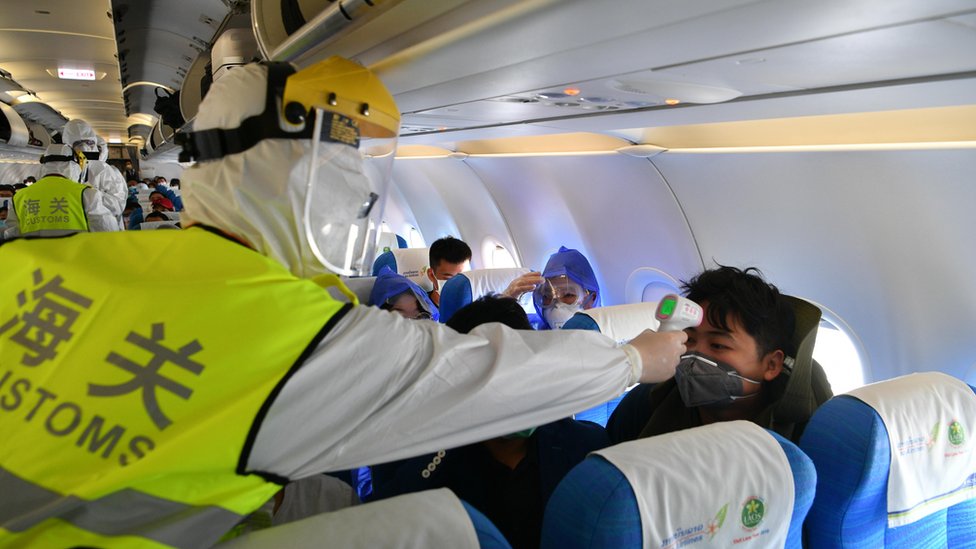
432 518
489 536
409 262
896 465
466 287
388 242
362 286
621 323
722 484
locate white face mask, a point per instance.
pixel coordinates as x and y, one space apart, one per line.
425 283
560 314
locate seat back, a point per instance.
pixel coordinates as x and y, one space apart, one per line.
621 323
887 443
433 518
711 484
360 285
466 287
409 262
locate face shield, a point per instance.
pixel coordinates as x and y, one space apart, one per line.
314 153
346 189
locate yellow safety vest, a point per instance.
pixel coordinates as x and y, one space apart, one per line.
53 203
125 424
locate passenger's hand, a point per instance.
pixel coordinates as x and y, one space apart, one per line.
659 354
522 284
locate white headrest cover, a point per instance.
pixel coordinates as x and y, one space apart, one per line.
411 262
487 281
722 484
931 422
624 322
434 518
152 225
361 286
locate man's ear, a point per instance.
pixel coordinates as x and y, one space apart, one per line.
589 300
773 364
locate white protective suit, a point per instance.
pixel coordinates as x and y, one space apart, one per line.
379 387
100 174
100 219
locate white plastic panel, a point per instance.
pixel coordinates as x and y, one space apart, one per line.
449 199
615 209
882 238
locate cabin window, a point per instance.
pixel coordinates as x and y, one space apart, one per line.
649 285
415 239
654 291
501 258
837 352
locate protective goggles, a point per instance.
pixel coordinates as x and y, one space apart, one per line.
559 289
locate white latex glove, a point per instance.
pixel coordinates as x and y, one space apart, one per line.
659 354
524 283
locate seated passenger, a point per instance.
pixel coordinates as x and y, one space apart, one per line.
132 214
157 216
160 203
6 191
509 478
569 286
447 257
394 292
737 365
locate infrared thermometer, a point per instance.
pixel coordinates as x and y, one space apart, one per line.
676 313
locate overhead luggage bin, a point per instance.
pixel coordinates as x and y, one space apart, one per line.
13 129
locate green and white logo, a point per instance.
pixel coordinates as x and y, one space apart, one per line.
753 511
957 436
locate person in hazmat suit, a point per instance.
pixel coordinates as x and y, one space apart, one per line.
569 286
98 172
129 427
57 205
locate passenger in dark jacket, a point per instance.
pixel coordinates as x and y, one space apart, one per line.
510 478
751 359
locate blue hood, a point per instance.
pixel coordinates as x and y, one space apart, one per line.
574 265
390 284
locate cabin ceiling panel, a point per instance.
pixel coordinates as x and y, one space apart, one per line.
905 51
497 74
75 34
428 207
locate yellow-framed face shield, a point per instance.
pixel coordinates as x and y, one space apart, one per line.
354 135
349 123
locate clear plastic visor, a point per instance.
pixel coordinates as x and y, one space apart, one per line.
345 194
558 289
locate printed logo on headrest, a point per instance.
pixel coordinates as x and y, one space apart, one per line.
684 537
957 436
753 511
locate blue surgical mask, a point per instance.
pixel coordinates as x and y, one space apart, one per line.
704 381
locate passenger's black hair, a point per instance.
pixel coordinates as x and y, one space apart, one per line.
7 188
746 296
490 308
158 214
450 249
